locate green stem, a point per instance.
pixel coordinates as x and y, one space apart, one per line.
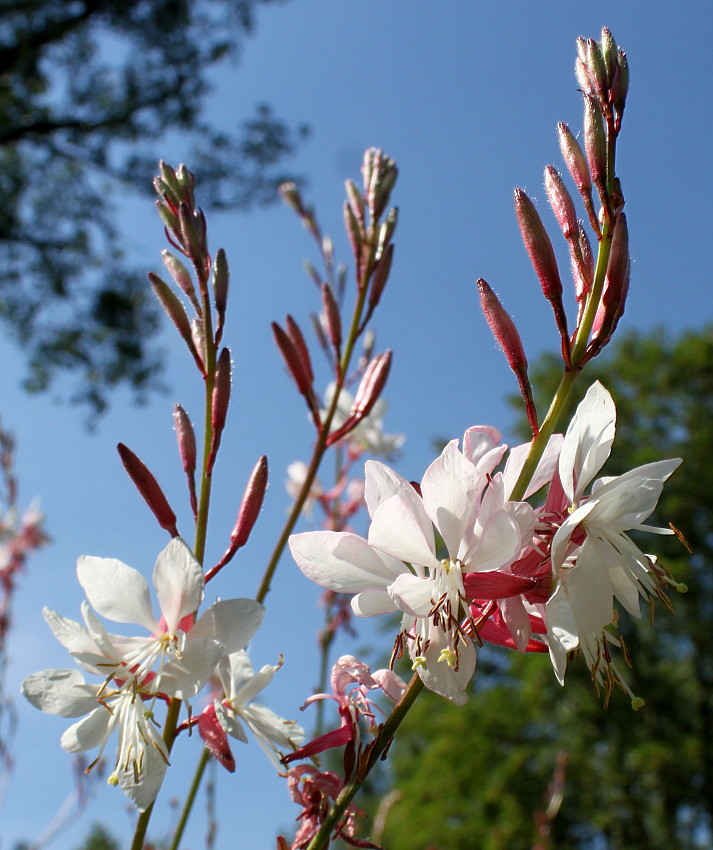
382 741
190 799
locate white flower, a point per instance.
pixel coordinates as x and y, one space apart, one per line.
175 660
241 685
593 558
398 569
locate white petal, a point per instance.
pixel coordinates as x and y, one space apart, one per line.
562 634
61 692
437 676
483 441
588 441
382 483
370 603
413 595
497 546
401 528
90 732
178 579
184 677
589 590
342 561
75 638
232 622
450 489
115 591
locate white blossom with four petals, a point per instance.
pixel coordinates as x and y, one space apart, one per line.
175 660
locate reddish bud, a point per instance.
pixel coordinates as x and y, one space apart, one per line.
542 257
149 488
380 276
332 319
561 203
182 277
291 196
595 143
616 288
577 165
187 450
176 313
370 388
507 337
189 232
298 340
598 74
220 402
620 87
221 279
379 173
538 245
247 515
609 53
299 367
354 231
356 202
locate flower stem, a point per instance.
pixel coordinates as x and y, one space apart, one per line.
383 739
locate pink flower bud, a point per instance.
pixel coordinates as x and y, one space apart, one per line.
577 166
298 340
221 278
149 488
597 71
561 203
354 231
332 319
220 402
595 143
356 202
247 515
616 288
538 245
177 314
380 276
507 337
182 277
187 450
370 388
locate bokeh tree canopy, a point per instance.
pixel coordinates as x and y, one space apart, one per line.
85 87
481 775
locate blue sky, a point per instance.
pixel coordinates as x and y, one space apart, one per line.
466 97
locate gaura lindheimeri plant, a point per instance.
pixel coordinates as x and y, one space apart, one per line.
522 547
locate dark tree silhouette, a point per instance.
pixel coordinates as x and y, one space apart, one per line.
86 87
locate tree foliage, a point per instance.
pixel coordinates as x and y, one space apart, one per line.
478 776
85 87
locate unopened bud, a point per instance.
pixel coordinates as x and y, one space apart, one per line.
595 143
609 51
298 340
149 488
575 161
616 288
582 74
379 172
198 336
182 277
187 181
370 388
620 88
332 319
380 276
168 217
598 71
176 313
169 180
291 196
221 397
386 231
561 203
221 279
504 330
538 246
354 232
356 202
189 232
187 450
247 515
